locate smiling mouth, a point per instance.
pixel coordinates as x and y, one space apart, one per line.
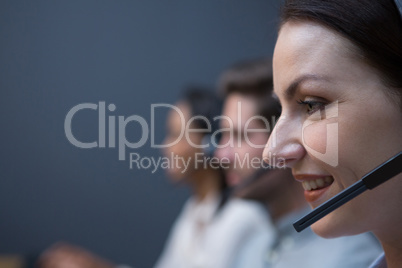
317 184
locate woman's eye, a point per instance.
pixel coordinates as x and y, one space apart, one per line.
312 106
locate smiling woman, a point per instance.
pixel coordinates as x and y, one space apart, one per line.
337 73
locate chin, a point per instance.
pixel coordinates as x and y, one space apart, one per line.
336 224
324 230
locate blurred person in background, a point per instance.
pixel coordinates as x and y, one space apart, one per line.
249 114
196 110
186 165
209 231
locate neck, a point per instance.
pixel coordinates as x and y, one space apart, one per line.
392 248
393 254
205 182
390 238
388 221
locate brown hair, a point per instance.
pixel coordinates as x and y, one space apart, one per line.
252 78
373 26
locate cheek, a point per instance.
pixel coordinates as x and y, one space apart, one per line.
315 137
181 149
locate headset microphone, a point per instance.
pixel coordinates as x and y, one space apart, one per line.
377 176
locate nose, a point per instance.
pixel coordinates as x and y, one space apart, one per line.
284 147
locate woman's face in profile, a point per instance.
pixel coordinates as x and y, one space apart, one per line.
179 143
338 122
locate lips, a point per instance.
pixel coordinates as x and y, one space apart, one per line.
314 186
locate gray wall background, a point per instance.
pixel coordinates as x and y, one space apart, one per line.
57 54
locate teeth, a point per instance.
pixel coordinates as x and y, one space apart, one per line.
317 184
306 186
320 182
313 185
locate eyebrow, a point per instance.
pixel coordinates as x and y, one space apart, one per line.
292 88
